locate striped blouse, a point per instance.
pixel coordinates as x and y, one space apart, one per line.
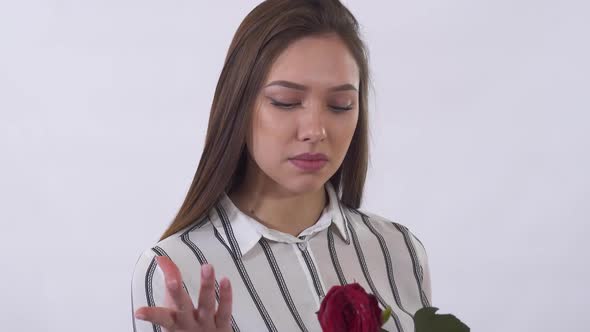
278 280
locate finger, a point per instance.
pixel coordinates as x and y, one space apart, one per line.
223 315
157 315
173 279
206 305
176 297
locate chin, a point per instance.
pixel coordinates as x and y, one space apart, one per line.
304 185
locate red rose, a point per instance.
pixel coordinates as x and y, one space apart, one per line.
349 309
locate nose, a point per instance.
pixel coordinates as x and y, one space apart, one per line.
312 126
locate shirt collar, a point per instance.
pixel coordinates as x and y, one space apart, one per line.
245 232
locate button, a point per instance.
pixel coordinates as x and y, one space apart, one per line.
302 245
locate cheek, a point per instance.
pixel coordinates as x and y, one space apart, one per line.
343 130
270 133
272 123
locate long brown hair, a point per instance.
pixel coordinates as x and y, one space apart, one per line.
266 31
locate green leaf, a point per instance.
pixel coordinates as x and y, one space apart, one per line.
426 320
385 314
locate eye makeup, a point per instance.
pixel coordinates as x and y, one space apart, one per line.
291 105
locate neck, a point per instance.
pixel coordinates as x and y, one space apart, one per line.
289 213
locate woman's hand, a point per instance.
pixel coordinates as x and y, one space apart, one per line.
181 315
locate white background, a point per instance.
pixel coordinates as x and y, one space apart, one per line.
480 145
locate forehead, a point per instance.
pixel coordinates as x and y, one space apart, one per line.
321 61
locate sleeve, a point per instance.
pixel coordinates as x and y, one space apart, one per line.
424 266
147 289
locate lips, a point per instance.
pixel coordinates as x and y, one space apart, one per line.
308 165
311 156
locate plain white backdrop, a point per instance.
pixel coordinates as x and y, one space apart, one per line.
480 144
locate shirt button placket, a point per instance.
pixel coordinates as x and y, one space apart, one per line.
302 245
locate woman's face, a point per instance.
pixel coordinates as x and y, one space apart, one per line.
308 104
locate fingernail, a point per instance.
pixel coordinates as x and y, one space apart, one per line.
140 316
206 270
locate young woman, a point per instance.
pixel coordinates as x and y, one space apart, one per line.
274 204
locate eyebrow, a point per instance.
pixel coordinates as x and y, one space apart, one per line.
292 85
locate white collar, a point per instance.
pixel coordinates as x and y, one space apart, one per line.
245 231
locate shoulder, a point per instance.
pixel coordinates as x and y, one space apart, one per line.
176 246
388 227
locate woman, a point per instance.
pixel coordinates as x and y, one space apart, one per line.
274 202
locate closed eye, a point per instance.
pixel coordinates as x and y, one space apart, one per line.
293 105
283 105
345 108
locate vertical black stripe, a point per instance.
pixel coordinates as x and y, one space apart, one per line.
334 257
281 282
418 271
314 273
314 276
388 264
202 260
149 276
361 258
235 253
417 268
